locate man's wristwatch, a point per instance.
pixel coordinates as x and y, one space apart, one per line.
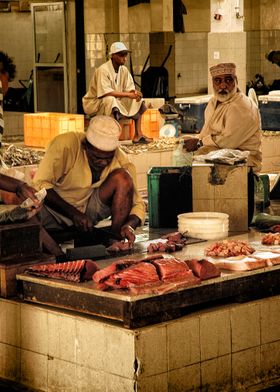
199 143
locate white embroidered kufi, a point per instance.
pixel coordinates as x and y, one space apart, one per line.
223 69
103 133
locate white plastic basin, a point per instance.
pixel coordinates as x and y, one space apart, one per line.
204 225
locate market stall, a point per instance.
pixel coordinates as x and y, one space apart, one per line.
221 333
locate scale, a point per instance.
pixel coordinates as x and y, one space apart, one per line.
172 125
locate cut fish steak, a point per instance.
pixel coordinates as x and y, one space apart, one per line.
135 275
113 268
120 265
170 268
203 269
75 271
271 239
150 275
175 242
119 246
228 248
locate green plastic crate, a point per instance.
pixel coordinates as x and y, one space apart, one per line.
169 194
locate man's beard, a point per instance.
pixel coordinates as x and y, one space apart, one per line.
224 95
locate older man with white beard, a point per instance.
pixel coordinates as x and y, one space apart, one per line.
232 120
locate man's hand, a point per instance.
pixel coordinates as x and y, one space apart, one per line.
82 222
33 211
191 144
135 95
127 232
24 191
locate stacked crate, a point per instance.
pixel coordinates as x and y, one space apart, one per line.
41 128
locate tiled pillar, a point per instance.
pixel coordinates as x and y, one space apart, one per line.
227 39
161 15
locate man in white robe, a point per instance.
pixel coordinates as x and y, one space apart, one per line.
232 119
112 92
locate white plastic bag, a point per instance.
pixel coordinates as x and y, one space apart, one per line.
225 156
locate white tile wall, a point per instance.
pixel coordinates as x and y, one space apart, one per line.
245 324
151 351
90 342
216 374
246 368
10 323
215 334
119 344
34 329
270 321
34 369
61 337
10 362
183 343
191 63
175 356
61 375
184 379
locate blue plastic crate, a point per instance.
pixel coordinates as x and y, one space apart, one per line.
270 112
192 110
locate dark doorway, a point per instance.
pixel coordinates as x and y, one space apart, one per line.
80 54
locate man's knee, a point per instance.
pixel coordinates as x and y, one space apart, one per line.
122 178
109 100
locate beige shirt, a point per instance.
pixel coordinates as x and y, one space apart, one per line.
104 81
65 169
234 124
